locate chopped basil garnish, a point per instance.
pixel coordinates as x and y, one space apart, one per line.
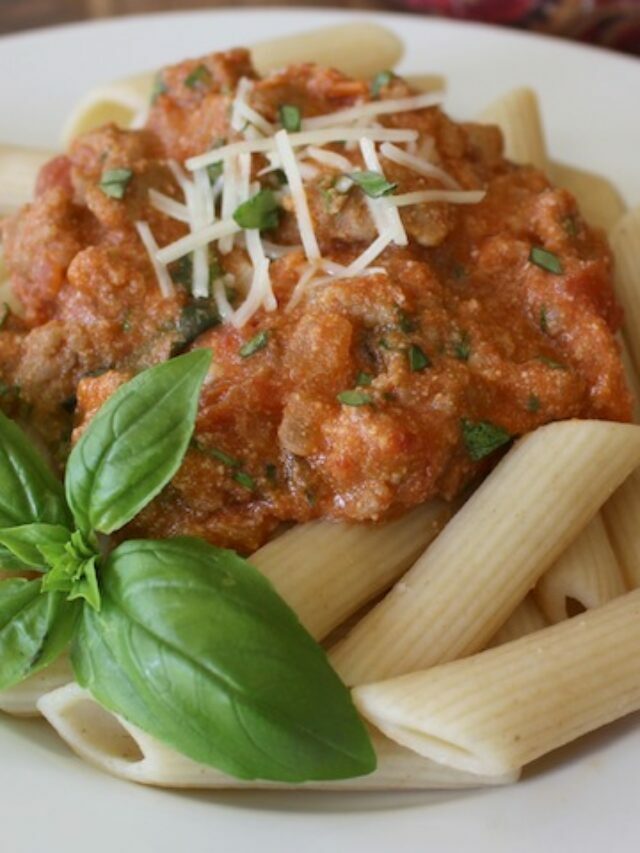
261 211
481 438
382 79
533 404
405 323
363 379
195 318
544 319
255 344
114 182
200 74
159 87
271 472
372 184
546 260
221 456
354 398
245 480
182 271
418 360
290 118
551 362
462 347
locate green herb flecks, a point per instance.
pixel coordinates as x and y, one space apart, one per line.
290 118
214 171
271 472
261 211
481 438
114 182
245 480
379 82
418 359
570 226
354 398
253 346
200 76
363 379
406 323
546 260
462 347
197 317
372 184
544 319
158 88
551 362
533 404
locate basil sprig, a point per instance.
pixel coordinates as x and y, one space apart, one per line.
187 641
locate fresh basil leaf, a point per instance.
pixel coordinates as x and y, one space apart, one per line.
482 437
73 569
354 398
25 541
85 586
30 492
261 211
372 184
34 629
194 646
135 444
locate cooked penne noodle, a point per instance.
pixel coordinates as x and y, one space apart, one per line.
126 101
622 514
587 575
599 201
22 700
493 551
525 619
123 750
625 242
327 570
504 707
632 377
18 172
517 114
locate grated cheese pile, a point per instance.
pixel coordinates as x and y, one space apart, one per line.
211 204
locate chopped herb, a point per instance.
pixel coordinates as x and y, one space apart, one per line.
551 362
458 271
196 317
290 118
214 171
159 87
405 323
462 347
533 404
418 360
372 184
261 211
216 269
4 314
544 319
114 182
311 498
384 343
328 197
380 81
271 472
363 379
546 260
182 271
5 389
245 480
570 226
255 344
354 398
200 74
221 456
481 438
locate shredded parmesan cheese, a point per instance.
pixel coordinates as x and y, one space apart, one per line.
386 214
360 264
255 296
423 167
222 303
329 158
373 108
424 196
301 207
190 242
169 206
148 241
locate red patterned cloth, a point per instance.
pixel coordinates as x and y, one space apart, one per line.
606 22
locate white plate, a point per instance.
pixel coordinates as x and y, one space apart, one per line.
583 798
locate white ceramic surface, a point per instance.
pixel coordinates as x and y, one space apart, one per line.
587 796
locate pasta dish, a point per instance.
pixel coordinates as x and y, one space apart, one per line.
318 447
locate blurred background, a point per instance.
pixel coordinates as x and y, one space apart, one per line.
606 22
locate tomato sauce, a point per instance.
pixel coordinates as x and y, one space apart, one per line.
369 396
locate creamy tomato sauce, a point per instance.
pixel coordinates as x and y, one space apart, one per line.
373 393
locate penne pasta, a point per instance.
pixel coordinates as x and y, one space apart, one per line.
493 551
587 575
123 750
505 707
599 201
19 169
625 242
327 570
621 514
517 114
22 700
125 102
525 619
